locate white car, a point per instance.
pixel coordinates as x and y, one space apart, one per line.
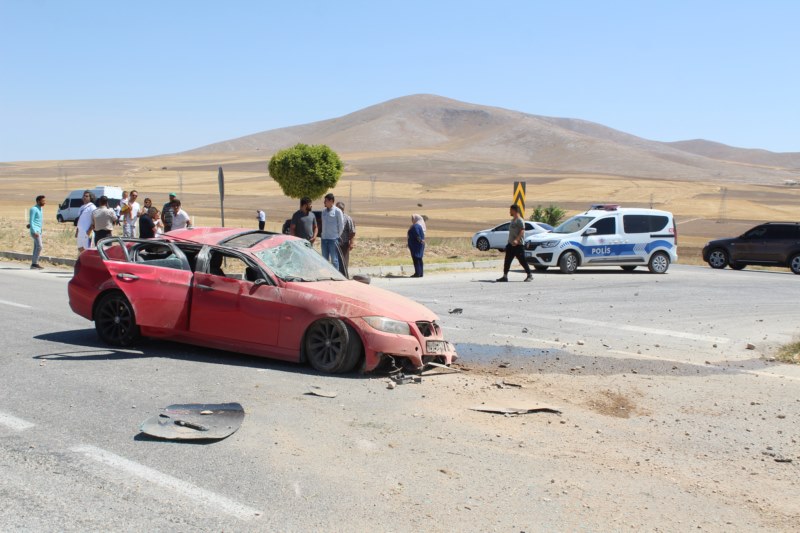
497 237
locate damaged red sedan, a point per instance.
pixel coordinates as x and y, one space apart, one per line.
252 292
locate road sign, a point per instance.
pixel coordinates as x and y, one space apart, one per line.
519 196
221 179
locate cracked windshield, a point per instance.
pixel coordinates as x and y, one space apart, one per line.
298 261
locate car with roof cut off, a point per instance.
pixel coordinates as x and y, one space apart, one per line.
252 292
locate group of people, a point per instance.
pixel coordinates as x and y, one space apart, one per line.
338 231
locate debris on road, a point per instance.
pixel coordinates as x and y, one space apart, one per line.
195 421
516 410
318 391
456 311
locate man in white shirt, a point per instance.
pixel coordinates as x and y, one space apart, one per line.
180 218
83 224
262 219
130 215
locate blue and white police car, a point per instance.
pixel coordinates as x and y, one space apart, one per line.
607 235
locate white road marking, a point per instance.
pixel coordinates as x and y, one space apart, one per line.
12 422
14 304
637 329
194 492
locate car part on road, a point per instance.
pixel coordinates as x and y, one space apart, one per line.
516 410
195 421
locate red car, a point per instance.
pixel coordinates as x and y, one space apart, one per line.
252 292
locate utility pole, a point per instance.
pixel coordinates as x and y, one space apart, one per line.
723 204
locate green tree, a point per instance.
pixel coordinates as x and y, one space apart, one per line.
549 215
304 170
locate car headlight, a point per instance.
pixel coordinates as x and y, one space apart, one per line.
387 325
549 244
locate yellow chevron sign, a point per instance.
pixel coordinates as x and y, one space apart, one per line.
519 196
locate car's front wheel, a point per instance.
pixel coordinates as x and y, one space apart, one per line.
718 258
794 263
659 263
115 321
60 218
332 347
482 244
568 263
540 268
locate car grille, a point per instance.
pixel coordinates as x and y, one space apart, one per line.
429 329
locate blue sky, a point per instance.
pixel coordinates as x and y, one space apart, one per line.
96 79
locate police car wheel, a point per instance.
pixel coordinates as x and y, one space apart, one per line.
568 263
659 263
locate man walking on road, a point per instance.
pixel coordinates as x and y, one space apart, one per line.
35 223
516 239
332 227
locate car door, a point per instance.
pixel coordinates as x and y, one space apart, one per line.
498 237
752 246
604 244
154 276
228 304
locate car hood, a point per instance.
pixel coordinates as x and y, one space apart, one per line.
722 242
356 299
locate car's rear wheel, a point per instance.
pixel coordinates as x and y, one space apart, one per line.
738 266
540 268
794 263
482 244
659 263
332 347
718 258
628 268
60 218
115 321
568 262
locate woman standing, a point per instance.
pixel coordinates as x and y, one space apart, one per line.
416 243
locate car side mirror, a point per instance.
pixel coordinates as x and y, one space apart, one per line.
589 231
260 281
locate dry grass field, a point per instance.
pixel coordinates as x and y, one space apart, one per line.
456 205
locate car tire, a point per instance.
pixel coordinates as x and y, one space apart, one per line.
540 268
794 263
718 258
332 347
115 320
659 263
568 263
738 266
628 268
60 219
482 244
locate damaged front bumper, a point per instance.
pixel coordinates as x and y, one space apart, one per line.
424 345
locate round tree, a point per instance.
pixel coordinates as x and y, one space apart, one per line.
304 170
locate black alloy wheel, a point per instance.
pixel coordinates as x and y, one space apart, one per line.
115 320
332 347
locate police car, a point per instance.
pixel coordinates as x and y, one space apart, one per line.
607 235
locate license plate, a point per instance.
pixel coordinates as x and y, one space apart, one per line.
436 346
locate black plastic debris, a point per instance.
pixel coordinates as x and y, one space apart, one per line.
195 421
456 311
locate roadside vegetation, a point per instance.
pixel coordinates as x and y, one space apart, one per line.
551 214
789 353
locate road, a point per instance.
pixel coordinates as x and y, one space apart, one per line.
668 421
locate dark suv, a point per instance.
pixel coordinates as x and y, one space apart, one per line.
771 244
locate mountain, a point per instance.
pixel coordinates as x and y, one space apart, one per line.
420 132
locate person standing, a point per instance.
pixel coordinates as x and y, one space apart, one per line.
130 215
103 220
180 218
416 243
166 212
332 227
36 225
83 224
304 223
118 209
262 219
147 225
515 248
348 237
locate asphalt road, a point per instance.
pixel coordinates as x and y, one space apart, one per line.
410 458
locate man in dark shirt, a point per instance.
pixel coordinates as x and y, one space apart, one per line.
147 228
304 223
166 213
516 242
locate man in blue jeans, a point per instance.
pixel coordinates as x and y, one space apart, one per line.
332 226
35 224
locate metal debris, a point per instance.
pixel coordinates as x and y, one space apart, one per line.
317 391
516 410
456 311
195 421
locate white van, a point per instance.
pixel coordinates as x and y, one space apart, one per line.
607 235
71 206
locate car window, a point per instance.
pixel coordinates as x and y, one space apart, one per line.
605 226
296 260
529 226
157 254
227 265
76 202
756 233
502 227
644 223
781 231
573 224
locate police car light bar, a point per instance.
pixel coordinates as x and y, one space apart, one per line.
606 207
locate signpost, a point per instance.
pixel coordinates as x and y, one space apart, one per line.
221 179
519 196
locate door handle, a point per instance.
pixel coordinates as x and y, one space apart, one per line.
205 287
125 275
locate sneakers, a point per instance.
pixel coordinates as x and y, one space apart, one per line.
529 278
37 267
503 279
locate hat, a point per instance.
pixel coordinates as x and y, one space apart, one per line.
173 194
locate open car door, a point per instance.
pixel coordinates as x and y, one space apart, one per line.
155 277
